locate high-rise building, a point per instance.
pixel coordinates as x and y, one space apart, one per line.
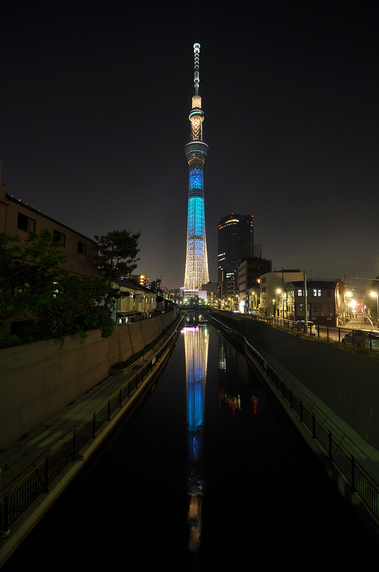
235 243
196 269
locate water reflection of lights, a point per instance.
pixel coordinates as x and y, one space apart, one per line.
233 401
189 329
196 356
255 401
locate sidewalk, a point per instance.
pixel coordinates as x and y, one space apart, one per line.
20 458
363 452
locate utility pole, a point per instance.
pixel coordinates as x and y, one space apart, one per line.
305 300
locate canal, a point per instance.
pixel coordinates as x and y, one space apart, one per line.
208 474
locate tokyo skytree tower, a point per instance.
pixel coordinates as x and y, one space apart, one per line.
196 270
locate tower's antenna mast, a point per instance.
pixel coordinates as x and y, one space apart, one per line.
196 74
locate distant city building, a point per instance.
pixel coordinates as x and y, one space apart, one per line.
272 287
140 279
324 300
235 244
135 302
249 273
196 268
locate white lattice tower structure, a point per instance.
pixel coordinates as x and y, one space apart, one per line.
196 269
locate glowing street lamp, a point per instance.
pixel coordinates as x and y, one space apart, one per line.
375 295
279 292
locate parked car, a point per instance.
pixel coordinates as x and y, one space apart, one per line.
356 338
372 341
311 326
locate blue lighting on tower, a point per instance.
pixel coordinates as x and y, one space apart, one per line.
196 179
196 216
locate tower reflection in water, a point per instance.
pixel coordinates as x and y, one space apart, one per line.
196 356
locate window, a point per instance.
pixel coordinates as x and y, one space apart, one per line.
316 292
59 237
26 223
82 248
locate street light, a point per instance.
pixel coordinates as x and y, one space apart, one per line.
375 295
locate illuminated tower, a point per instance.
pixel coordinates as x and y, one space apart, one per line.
196 270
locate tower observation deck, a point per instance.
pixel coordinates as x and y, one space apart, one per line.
196 269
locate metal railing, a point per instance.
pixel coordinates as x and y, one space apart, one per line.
357 478
331 333
15 502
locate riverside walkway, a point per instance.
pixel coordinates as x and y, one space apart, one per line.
287 387
29 452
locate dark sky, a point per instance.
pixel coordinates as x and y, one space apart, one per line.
94 107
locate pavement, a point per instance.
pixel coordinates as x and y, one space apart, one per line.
346 436
22 456
18 460
366 455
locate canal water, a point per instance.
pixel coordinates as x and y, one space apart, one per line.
209 474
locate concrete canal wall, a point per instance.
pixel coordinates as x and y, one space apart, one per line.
348 383
39 379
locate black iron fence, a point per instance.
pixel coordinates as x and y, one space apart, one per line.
348 336
15 502
357 478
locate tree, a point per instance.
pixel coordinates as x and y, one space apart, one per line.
117 254
28 270
54 303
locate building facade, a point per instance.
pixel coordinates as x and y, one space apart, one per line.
273 301
196 268
324 301
19 219
134 303
249 276
235 244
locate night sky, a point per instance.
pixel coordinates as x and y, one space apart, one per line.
94 106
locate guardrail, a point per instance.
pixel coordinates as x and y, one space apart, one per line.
332 333
347 465
14 503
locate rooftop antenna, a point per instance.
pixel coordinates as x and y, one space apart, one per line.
196 74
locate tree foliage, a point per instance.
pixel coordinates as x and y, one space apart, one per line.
117 255
52 302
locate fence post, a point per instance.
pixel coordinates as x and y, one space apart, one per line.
46 474
5 523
